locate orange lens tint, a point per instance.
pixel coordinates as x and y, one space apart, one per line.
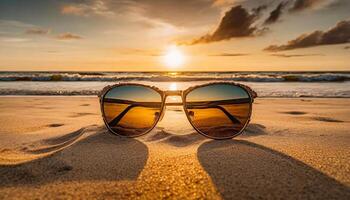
131 110
218 110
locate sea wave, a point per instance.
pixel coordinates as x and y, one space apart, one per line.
263 89
261 94
171 77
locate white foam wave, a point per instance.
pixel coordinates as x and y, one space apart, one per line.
182 77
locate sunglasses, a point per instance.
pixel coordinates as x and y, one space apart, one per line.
218 110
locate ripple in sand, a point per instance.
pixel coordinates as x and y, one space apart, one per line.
119 159
82 114
306 100
54 125
327 119
65 168
295 113
172 139
56 143
47 108
4 150
254 130
184 140
159 135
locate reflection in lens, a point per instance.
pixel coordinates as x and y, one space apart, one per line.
131 110
218 110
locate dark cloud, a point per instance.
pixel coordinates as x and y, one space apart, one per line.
68 36
300 5
237 22
276 13
339 34
258 10
295 55
230 54
37 31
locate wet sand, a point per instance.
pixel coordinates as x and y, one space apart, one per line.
57 147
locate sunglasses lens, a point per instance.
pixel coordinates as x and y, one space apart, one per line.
131 110
219 110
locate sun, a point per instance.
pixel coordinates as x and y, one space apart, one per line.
174 58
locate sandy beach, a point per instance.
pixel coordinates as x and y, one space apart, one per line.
58 147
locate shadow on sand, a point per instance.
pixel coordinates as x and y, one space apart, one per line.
98 156
245 170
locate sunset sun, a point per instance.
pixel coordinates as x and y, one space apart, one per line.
174 57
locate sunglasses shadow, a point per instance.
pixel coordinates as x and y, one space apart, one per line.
77 156
159 134
245 170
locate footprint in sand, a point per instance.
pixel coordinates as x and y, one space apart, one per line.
85 104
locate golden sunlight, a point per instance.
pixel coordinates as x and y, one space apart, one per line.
174 58
173 86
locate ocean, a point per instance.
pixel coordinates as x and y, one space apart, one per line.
266 84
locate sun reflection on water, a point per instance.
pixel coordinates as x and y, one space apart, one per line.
173 86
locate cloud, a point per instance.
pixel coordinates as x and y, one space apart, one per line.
276 13
179 13
294 55
37 31
300 5
87 8
230 54
14 39
258 10
340 34
223 2
295 6
237 22
139 52
80 10
15 24
68 36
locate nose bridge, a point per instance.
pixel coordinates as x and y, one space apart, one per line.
173 93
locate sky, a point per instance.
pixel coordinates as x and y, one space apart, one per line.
168 35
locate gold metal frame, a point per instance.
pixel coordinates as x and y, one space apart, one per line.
183 93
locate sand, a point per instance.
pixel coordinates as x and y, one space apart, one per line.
57 147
